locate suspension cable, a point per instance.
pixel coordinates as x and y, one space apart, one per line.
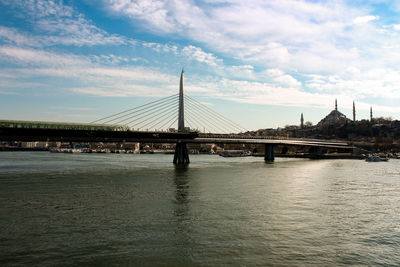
237 126
222 126
135 109
147 113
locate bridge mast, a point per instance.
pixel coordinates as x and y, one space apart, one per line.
181 155
181 115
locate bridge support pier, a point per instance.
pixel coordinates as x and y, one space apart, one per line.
181 155
269 153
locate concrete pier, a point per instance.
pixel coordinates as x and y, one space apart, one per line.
269 153
181 155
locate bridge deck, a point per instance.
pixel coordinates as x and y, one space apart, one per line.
29 134
26 134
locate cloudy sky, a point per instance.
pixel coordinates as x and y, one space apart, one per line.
260 63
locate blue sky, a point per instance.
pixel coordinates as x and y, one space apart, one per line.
260 63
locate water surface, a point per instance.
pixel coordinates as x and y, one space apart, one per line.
128 210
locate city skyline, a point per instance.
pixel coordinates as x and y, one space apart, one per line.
259 63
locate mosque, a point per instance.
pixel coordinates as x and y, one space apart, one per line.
334 117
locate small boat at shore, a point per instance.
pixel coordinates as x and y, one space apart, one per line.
375 158
235 153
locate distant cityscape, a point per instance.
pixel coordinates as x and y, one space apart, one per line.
375 135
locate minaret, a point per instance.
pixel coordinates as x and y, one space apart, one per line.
354 112
181 118
301 121
335 104
370 113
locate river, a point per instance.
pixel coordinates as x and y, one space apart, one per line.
129 210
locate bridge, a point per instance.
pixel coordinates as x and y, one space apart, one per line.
130 126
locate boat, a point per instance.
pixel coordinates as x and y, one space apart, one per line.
235 153
375 158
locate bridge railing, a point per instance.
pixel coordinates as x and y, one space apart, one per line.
245 136
20 124
61 125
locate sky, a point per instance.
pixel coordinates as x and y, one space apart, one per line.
259 63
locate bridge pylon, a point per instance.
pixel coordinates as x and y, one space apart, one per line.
269 156
181 155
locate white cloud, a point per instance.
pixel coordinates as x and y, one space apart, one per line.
365 19
272 33
152 10
331 45
265 93
282 89
166 48
292 35
198 54
26 56
293 52
103 80
374 83
279 77
274 94
241 72
56 23
13 36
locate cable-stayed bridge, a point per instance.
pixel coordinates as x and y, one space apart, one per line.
155 122
160 115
